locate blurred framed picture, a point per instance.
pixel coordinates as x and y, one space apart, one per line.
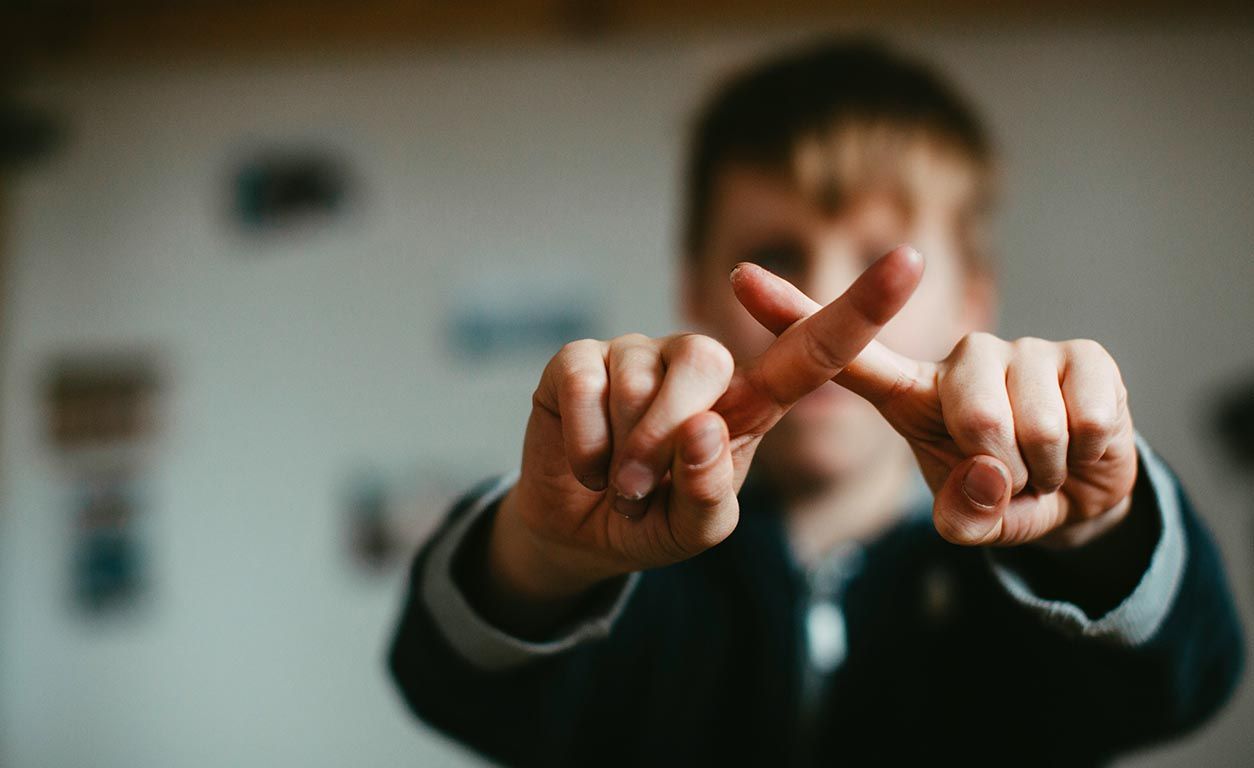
109 558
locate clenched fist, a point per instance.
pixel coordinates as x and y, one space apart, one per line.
636 447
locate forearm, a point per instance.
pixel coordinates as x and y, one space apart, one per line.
479 684
490 711
1142 623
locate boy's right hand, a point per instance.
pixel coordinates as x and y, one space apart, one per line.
636 447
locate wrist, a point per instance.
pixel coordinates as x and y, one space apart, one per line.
528 576
1085 532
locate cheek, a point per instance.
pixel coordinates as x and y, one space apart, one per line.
744 336
732 325
928 326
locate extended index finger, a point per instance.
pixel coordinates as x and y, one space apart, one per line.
815 348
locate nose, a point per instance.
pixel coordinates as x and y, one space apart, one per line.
829 273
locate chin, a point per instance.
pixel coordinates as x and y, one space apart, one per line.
820 450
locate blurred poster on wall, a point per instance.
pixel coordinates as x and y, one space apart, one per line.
389 514
109 550
286 188
101 422
508 314
372 541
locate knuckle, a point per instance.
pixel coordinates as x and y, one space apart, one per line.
578 347
982 424
1093 422
901 388
978 339
582 384
1032 345
1086 347
1028 341
538 399
1043 430
970 344
705 354
629 339
634 385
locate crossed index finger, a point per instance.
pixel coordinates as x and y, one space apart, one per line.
812 350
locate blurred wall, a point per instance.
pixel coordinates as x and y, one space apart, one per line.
293 361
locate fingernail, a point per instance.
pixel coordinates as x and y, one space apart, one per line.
984 484
632 509
594 481
735 269
635 480
705 447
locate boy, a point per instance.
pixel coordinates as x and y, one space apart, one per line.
791 539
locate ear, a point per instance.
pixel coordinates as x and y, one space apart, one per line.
980 301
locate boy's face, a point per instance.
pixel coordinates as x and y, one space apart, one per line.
761 217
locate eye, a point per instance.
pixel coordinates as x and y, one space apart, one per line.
782 258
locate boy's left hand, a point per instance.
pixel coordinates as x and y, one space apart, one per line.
1020 441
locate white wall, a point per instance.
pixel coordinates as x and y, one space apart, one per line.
292 363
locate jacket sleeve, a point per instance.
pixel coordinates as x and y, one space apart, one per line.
469 634
1138 615
554 701
1156 664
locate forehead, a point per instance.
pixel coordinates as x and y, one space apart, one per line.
752 207
924 189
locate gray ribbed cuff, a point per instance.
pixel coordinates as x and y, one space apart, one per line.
1138 617
471 636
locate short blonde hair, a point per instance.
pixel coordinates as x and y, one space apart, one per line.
840 118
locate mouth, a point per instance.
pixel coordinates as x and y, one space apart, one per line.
828 398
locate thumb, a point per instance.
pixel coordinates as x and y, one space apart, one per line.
970 507
703 506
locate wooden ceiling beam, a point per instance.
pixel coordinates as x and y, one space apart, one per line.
60 33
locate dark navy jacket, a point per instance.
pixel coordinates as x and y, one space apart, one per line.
704 665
